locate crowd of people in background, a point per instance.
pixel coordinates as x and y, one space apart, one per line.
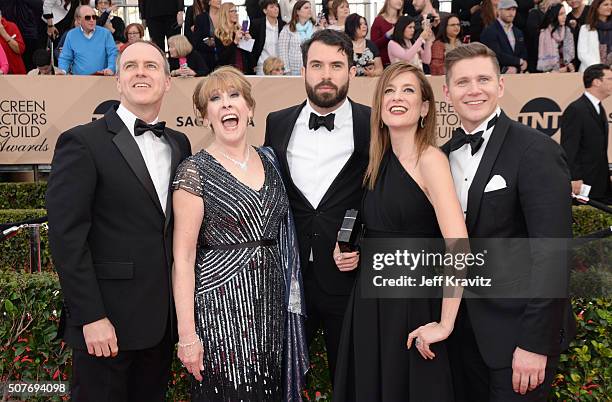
83 37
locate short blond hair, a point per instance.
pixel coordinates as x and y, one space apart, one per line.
181 44
222 79
271 64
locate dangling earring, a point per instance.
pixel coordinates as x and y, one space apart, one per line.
422 122
251 122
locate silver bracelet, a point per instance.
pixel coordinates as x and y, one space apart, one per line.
185 345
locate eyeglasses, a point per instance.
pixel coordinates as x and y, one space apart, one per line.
90 17
133 33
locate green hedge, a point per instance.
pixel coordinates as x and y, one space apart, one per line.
28 302
14 252
28 351
22 195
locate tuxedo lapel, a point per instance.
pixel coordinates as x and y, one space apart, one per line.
289 124
131 153
176 157
360 141
484 169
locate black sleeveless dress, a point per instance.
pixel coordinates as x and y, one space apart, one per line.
373 361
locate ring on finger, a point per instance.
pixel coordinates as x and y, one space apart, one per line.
417 342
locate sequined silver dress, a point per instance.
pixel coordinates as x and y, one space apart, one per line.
239 290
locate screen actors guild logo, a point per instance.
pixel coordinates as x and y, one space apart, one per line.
542 114
103 107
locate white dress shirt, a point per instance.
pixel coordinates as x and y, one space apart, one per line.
270 48
316 157
156 153
593 100
464 165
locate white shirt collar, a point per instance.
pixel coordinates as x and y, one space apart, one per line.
594 100
343 112
271 26
88 35
129 118
483 125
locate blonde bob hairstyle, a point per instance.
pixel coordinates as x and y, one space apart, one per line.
181 44
380 142
223 79
226 29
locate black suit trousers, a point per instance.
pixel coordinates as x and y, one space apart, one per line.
474 381
162 27
133 375
324 311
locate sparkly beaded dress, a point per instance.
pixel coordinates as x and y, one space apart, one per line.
240 303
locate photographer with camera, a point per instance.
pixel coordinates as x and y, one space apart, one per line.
402 48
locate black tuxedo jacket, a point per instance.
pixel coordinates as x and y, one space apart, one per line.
258 32
110 240
495 37
317 228
584 137
535 204
159 8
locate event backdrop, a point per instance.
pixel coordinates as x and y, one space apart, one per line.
34 111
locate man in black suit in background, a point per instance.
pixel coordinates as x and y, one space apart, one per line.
110 228
322 145
512 182
584 135
163 18
265 32
506 40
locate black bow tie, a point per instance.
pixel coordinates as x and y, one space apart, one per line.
317 121
140 127
460 138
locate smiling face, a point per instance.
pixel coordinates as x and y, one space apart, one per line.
232 15
605 9
142 79
215 4
133 34
402 104
473 88
228 114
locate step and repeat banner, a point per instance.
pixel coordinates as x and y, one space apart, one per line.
34 111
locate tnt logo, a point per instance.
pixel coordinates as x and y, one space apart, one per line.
103 107
542 114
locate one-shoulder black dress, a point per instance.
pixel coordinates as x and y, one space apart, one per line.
373 361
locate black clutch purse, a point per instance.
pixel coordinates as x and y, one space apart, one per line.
350 232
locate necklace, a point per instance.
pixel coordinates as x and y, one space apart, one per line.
243 165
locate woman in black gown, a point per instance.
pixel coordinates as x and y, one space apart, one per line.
410 194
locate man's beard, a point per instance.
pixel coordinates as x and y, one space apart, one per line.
327 99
